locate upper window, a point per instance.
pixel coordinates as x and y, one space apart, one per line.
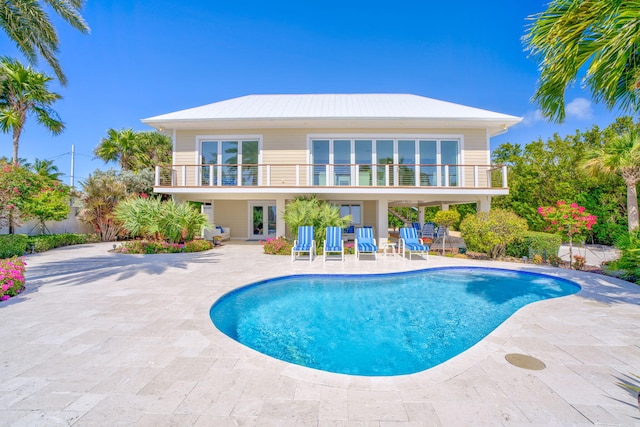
361 161
228 161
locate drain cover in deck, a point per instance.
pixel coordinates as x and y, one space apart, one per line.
525 362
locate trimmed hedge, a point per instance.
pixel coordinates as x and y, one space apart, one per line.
152 247
47 242
535 243
13 245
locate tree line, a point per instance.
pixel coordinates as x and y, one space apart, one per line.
543 172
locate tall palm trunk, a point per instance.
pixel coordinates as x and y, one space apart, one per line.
632 206
16 142
631 179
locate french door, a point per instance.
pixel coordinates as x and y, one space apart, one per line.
262 220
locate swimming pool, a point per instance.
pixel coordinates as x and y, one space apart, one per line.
378 325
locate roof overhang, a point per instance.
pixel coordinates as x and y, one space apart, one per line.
494 126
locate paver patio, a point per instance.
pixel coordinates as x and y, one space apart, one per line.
102 339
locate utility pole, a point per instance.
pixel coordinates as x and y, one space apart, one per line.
73 155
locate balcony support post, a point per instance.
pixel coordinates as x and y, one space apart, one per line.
157 177
504 176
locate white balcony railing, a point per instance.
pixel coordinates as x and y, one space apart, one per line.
326 175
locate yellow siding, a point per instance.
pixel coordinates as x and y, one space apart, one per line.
369 213
234 214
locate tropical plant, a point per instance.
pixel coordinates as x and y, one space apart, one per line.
135 151
23 92
141 217
490 232
153 219
567 219
102 192
599 36
620 156
28 25
312 211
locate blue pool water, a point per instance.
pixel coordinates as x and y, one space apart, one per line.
377 325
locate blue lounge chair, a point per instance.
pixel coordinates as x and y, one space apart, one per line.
365 242
304 243
429 231
333 242
409 242
416 225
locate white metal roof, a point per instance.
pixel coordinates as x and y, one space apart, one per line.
327 108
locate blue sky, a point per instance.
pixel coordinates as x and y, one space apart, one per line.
146 58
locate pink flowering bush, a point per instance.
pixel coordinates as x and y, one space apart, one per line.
149 247
11 277
277 246
567 219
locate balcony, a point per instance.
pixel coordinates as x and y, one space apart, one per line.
331 176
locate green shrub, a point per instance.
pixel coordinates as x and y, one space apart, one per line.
534 243
150 247
198 246
490 232
629 262
13 245
446 218
47 242
277 246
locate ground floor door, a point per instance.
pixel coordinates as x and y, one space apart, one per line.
262 217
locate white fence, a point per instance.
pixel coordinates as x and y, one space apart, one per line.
69 225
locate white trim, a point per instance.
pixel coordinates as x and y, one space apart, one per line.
382 135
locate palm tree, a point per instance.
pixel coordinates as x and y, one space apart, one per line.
620 156
24 91
28 25
46 168
119 146
602 35
135 151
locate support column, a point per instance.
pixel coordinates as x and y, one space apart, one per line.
421 215
444 206
383 222
281 227
484 204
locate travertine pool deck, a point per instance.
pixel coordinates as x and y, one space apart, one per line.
102 339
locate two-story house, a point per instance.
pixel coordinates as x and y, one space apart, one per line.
246 157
